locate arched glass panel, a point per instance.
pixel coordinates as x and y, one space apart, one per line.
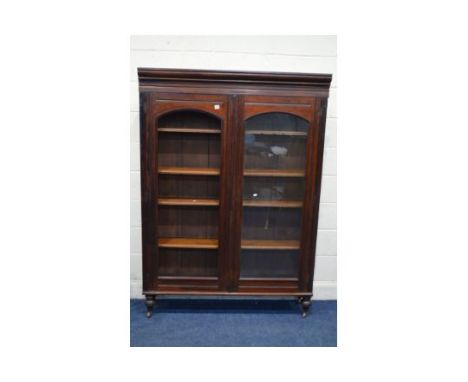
273 192
188 193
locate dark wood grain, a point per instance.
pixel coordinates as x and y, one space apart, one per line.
312 195
237 170
153 75
224 197
148 158
204 197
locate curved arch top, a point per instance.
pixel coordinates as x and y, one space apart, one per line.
180 120
297 115
299 110
277 121
167 113
214 108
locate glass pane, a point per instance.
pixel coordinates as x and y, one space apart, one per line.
188 193
273 188
269 263
271 223
271 122
189 140
188 186
274 169
187 262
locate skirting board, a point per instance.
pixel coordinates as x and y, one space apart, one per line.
323 290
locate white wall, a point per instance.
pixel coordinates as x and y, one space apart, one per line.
313 54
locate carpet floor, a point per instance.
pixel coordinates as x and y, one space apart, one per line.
232 322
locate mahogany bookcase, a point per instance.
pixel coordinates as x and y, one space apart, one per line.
231 167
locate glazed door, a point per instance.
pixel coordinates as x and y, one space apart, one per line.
277 135
184 177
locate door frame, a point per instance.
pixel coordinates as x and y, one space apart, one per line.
310 109
155 105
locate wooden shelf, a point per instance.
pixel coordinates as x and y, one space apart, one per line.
267 172
185 130
188 171
187 202
215 202
277 132
215 171
270 244
213 244
273 203
187 243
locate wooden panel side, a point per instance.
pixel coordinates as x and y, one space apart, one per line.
224 198
148 165
237 168
312 195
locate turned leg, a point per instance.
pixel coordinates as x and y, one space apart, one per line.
305 305
300 299
149 302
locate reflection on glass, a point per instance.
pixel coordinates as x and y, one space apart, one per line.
274 122
274 151
271 188
274 165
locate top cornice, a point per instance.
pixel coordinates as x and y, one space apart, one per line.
152 75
